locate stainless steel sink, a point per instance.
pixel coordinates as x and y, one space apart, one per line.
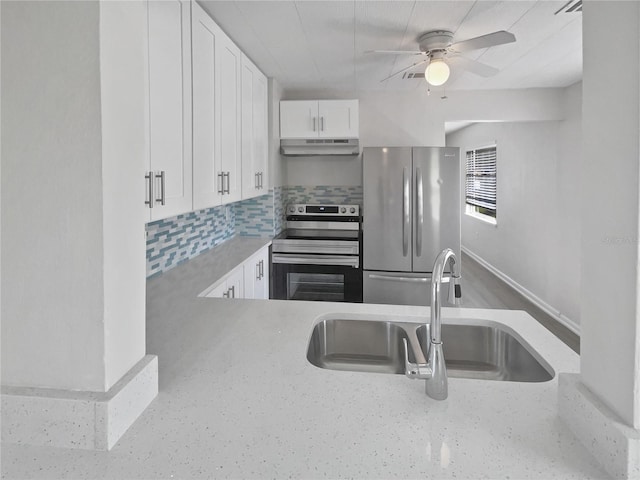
486 352
357 345
471 351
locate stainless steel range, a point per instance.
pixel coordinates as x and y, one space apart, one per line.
317 257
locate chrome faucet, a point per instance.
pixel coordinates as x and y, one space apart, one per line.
434 371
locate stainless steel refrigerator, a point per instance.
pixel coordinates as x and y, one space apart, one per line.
411 212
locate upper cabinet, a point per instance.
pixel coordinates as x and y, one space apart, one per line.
319 119
169 176
216 114
200 139
255 149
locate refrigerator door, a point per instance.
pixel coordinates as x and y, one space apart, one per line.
397 288
436 200
387 211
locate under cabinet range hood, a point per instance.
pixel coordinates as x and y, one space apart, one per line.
319 146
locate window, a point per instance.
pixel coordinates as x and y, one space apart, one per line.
481 183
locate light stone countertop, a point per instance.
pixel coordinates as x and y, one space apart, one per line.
238 399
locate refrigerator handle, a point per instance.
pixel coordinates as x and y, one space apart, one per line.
420 211
406 216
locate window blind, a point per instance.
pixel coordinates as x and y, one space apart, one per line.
481 179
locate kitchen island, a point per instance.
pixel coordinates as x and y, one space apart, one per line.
238 399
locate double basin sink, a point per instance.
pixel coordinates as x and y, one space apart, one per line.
472 349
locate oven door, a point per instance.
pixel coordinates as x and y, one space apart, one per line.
329 278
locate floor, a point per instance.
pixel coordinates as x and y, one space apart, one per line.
482 289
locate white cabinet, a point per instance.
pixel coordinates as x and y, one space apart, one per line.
250 279
207 172
231 286
169 177
216 114
256 275
254 131
338 118
319 119
298 118
228 100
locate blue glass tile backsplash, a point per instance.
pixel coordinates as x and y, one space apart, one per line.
180 238
176 239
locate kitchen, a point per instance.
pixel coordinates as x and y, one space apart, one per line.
87 216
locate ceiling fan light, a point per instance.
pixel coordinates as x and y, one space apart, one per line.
437 72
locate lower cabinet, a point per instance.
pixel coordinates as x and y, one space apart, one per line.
256 275
248 280
231 286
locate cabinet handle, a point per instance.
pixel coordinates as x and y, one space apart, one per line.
226 294
162 185
233 291
261 269
258 271
227 176
261 185
221 183
314 124
257 181
322 123
149 178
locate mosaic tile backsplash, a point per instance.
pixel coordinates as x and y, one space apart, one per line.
176 239
323 194
254 217
180 238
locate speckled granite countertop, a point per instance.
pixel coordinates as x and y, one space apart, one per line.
238 399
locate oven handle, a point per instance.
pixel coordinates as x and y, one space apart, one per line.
345 261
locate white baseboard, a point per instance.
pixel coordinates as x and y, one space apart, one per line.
537 301
83 420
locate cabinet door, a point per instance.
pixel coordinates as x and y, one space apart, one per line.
338 118
254 131
219 292
262 284
207 178
170 106
256 275
299 119
235 283
229 110
261 130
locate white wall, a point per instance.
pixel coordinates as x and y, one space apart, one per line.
124 94
413 118
536 241
610 340
52 332
73 248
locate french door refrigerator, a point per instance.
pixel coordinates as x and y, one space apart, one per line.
411 212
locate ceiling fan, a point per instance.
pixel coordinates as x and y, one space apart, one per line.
438 51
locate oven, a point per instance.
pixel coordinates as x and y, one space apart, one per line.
317 257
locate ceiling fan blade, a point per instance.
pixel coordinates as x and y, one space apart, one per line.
489 40
397 52
405 69
481 69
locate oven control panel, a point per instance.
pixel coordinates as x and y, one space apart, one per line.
316 210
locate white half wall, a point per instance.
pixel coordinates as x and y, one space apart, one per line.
414 118
125 130
74 124
52 255
536 241
610 343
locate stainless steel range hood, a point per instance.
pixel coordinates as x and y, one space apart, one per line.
319 146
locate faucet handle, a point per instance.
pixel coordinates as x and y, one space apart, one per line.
414 370
455 290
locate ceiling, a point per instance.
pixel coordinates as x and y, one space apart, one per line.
322 45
